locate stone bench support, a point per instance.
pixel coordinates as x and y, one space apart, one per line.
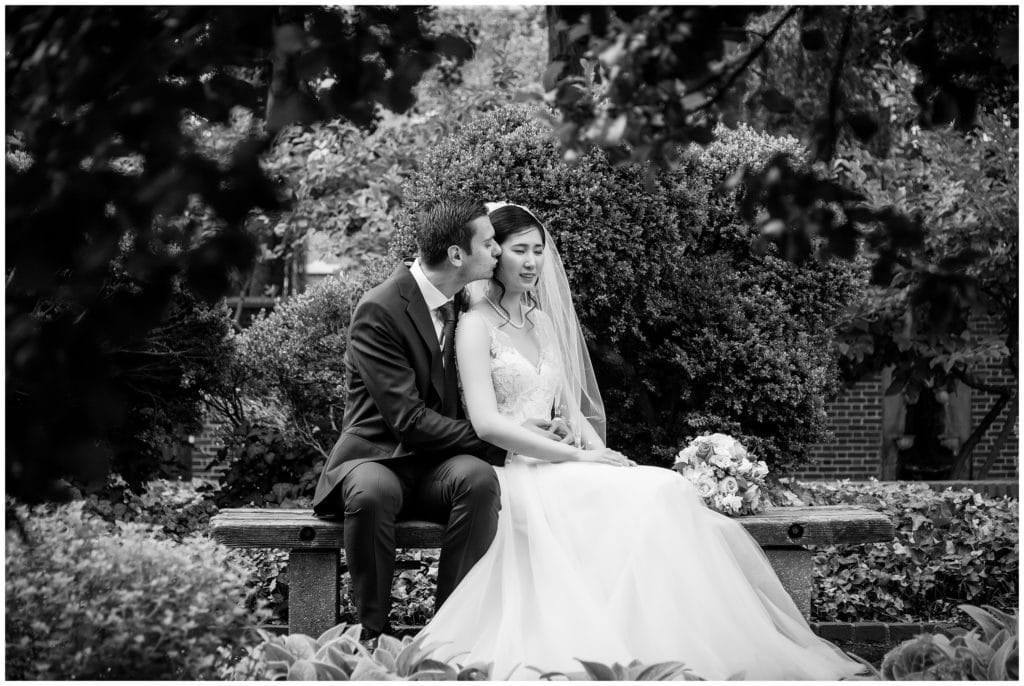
315 545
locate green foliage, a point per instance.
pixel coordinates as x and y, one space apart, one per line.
174 509
990 654
346 182
264 466
965 191
671 299
87 600
337 654
709 55
951 547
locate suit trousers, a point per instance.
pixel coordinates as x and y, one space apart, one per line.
461 492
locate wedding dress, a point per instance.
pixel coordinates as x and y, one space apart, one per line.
611 564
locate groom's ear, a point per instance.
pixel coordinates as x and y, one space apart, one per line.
455 255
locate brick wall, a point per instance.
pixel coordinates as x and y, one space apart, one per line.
204 448
856 417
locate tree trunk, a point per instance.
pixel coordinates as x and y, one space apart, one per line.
1008 424
962 466
561 50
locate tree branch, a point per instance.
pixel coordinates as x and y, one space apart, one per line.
961 468
829 146
751 56
997 447
979 385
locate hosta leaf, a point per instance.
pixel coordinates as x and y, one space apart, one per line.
997 666
430 675
390 644
385 658
431 664
333 655
301 646
597 671
663 671
368 670
331 634
989 625
1008 620
327 672
410 655
274 651
354 632
302 670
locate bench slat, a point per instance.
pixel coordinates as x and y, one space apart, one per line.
776 527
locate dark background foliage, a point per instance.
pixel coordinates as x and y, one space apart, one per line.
104 155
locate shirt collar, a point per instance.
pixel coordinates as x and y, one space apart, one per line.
433 297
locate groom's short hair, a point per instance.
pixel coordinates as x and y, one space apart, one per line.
445 223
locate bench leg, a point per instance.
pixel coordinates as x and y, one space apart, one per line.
793 566
313 588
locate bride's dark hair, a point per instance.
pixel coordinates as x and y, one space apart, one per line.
509 220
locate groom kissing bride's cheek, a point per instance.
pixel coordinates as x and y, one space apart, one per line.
472 402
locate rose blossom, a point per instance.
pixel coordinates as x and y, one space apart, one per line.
719 460
728 486
732 502
705 488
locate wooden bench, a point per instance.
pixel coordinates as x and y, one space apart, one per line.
314 563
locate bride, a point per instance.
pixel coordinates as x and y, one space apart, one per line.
595 558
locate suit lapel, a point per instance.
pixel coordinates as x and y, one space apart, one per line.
416 309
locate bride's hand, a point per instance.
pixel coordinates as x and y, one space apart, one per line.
604 456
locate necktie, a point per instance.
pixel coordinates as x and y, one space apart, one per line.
451 383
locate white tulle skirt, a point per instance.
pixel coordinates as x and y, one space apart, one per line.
612 564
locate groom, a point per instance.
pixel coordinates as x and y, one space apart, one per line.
406 448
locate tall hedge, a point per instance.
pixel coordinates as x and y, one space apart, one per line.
690 330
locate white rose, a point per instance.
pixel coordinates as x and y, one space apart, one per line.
705 488
738 451
733 503
752 494
722 461
745 467
687 455
760 469
728 486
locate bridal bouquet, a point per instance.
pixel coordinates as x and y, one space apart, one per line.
724 474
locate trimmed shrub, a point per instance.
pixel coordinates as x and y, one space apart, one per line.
290 370
951 547
175 509
690 330
89 601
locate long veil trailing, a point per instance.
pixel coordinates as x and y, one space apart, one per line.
581 397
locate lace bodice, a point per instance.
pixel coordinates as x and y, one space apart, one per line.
521 389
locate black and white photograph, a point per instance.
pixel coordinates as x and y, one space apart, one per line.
512 342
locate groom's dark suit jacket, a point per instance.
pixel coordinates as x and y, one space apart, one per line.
396 405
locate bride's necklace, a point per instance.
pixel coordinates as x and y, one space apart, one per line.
505 316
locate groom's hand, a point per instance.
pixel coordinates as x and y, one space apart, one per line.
542 427
563 429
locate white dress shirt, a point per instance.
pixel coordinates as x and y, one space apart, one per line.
433 297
